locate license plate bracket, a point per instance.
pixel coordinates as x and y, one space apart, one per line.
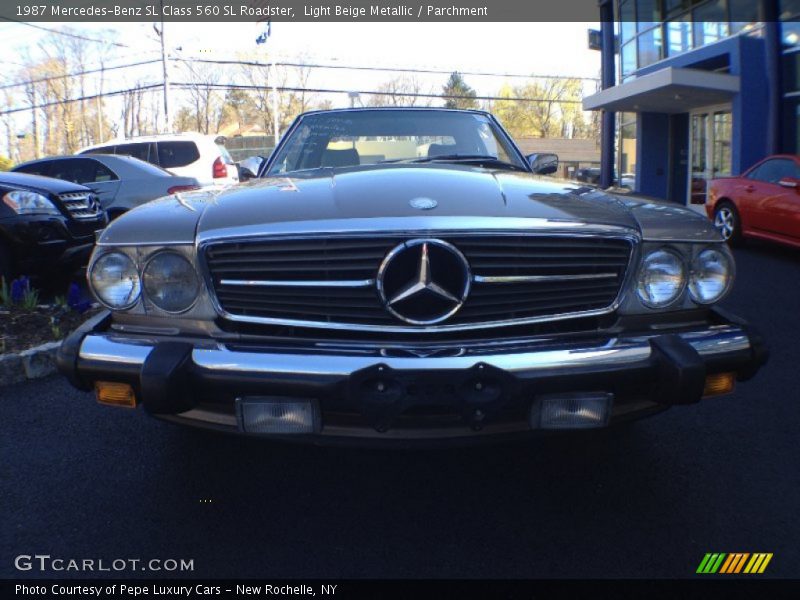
383 394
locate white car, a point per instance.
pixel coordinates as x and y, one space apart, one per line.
203 157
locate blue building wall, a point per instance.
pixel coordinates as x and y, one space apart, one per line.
656 157
652 154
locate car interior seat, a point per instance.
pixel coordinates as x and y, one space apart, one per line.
340 158
442 150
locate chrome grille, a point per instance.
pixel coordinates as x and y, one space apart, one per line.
331 282
81 205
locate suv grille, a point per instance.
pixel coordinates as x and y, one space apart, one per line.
81 205
331 282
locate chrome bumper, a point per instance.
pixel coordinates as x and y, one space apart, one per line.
117 350
645 372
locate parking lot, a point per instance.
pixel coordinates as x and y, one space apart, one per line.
82 481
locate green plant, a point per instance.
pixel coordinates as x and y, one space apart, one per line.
60 301
30 299
56 331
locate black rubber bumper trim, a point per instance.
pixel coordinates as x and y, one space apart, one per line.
67 355
680 372
759 351
165 380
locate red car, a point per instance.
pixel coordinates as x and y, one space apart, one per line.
763 202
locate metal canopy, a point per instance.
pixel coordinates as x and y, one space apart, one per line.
668 90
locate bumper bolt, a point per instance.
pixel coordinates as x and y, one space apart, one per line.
381 387
477 420
479 386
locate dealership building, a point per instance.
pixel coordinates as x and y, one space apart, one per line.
696 89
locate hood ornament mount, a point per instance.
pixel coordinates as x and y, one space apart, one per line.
423 203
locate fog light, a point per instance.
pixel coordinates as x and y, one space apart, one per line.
275 415
115 394
719 384
571 411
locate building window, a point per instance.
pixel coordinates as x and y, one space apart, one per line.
791 72
627 144
789 9
791 125
722 144
743 15
628 62
679 36
650 47
651 30
710 22
648 13
790 34
627 20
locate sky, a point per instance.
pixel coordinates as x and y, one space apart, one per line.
540 48
501 48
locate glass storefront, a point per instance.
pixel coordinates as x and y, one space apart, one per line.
790 42
627 147
710 134
651 30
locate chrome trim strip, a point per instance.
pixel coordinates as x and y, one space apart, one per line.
344 283
612 354
616 352
420 225
539 278
115 350
415 328
602 232
188 244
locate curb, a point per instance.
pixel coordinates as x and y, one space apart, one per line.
33 363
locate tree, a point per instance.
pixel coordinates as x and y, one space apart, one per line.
456 86
237 105
206 104
400 91
546 108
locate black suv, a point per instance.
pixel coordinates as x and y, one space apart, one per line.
46 225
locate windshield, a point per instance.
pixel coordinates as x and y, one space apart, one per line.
350 138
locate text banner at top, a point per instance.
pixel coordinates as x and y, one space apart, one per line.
299 10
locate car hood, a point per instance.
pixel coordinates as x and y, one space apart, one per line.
371 198
377 195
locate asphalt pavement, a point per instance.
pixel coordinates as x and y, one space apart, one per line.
81 481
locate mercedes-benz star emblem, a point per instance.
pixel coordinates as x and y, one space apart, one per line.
424 281
423 203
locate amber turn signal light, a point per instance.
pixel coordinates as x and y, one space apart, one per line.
719 384
115 394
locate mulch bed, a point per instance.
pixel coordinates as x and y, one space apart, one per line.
21 328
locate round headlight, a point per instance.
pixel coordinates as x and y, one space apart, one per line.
115 280
710 276
170 282
661 279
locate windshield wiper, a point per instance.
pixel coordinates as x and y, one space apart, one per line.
486 158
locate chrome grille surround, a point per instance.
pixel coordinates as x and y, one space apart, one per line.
361 277
81 205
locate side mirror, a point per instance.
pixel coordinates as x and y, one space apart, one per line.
249 167
245 173
543 164
788 182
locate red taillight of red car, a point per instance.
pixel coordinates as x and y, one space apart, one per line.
182 188
220 168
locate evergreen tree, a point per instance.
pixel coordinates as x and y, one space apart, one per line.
456 86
